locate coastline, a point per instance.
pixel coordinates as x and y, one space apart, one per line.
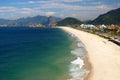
87 66
102 57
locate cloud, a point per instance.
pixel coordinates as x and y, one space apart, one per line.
64 10
31 2
50 13
69 7
7 9
96 3
38 2
82 9
72 0
103 7
26 10
34 2
9 12
55 4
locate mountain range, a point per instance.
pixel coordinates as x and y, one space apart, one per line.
111 17
29 21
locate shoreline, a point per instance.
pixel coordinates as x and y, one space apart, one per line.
102 57
87 66
84 58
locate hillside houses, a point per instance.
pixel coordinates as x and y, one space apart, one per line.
111 31
101 28
91 26
87 26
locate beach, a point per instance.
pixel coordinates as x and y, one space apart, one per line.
103 56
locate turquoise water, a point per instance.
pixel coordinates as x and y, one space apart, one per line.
34 54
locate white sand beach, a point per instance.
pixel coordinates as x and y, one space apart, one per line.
103 55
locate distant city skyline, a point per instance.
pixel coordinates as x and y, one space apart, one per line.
80 9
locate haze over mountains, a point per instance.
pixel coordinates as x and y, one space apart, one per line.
29 21
111 17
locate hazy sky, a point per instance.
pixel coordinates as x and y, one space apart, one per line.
81 9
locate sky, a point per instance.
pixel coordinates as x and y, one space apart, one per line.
80 9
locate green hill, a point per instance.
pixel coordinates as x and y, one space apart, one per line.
111 17
68 21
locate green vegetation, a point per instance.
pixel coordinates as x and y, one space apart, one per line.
111 17
68 21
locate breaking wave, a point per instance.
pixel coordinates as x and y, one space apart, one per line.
76 66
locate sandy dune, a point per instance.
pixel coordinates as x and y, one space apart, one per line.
104 55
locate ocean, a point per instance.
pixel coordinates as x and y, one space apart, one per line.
37 54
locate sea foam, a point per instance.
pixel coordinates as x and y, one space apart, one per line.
80 45
78 52
78 62
75 67
76 71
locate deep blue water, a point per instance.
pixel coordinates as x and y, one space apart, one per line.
34 53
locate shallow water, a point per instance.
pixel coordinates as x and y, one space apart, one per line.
35 54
